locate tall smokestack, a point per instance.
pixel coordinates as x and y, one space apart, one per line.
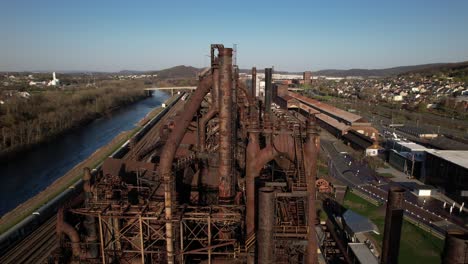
456 248
268 89
393 223
307 77
266 218
226 182
253 87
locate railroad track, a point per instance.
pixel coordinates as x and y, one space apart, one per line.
36 247
153 134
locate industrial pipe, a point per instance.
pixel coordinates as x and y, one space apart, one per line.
203 121
214 105
393 223
168 153
256 159
311 150
265 238
89 222
226 179
70 232
250 99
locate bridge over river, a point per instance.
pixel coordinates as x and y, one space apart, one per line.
150 91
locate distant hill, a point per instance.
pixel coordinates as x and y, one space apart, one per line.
379 72
130 72
457 70
178 72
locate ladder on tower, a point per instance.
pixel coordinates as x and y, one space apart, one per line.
300 184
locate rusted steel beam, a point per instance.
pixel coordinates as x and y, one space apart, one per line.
226 179
393 223
168 153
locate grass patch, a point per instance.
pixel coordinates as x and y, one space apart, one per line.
416 244
52 195
323 98
386 175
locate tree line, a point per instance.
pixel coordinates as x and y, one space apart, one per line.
46 114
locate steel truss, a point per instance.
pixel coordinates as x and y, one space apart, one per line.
210 231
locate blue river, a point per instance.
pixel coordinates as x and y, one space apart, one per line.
31 172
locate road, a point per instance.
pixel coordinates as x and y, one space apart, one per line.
428 211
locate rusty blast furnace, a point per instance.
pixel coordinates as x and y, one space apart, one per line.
221 177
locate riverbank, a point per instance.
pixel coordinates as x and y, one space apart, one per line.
71 177
14 152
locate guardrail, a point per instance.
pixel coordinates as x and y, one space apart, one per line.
425 227
365 196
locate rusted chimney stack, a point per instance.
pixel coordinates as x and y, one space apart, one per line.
393 223
226 181
307 77
268 89
456 248
266 216
253 87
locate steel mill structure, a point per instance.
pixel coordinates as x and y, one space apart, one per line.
222 177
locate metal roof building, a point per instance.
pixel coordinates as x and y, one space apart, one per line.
448 170
362 253
356 223
341 115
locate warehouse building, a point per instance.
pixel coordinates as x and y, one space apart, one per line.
448 171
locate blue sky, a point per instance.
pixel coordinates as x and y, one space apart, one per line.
289 35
